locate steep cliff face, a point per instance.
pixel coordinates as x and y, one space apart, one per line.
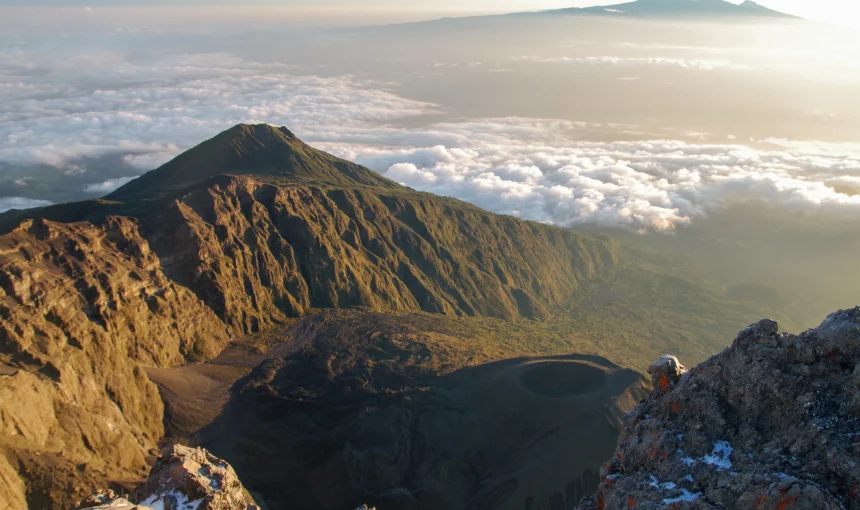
257 252
82 307
773 422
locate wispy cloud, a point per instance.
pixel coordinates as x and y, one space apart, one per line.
107 186
684 63
651 185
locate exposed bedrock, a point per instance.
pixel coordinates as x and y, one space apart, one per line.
82 307
773 422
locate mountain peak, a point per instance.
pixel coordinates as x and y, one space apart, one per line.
255 150
259 131
703 9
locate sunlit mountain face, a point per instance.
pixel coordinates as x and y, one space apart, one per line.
651 126
435 255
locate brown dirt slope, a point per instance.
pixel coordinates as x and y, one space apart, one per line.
362 406
255 150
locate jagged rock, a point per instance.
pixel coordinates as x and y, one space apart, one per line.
108 500
665 373
82 307
770 423
184 479
193 477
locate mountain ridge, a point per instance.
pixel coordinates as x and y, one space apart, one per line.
196 256
98 298
682 9
689 10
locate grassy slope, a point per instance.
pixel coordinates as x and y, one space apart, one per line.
647 306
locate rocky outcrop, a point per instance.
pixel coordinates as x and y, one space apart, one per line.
82 307
773 422
109 500
193 477
183 479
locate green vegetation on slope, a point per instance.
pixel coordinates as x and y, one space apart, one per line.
645 306
259 253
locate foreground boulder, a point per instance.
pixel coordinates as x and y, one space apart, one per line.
109 500
773 422
183 479
192 477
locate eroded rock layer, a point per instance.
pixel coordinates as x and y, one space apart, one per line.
257 253
82 307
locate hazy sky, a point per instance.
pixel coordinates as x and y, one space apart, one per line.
838 11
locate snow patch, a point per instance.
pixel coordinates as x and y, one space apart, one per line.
720 456
685 496
661 486
160 501
213 481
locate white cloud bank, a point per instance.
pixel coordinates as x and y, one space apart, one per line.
654 185
9 203
147 113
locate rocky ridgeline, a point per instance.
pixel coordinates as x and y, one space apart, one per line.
82 308
183 479
773 422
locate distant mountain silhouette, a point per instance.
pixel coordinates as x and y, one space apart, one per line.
690 10
677 9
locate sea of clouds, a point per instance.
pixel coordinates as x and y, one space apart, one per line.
60 111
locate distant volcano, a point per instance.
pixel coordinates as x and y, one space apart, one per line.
702 9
